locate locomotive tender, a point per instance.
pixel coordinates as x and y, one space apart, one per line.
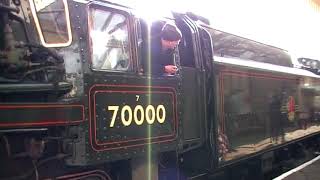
76 101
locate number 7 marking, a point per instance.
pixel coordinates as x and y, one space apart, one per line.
137 97
114 115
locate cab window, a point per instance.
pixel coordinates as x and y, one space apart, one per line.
153 57
51 18
109 41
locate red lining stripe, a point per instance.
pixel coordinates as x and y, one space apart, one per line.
44 122
98 173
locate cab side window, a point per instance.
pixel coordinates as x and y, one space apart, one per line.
52 22
109 41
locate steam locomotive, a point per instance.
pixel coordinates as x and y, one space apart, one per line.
76 101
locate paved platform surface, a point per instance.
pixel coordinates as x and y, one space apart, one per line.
307 171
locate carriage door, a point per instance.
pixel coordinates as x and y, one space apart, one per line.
191 75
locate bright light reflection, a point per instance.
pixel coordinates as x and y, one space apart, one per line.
100 40
290 25
113 58
120 35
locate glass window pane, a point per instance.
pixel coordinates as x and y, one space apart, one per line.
260 110
52 22
110 43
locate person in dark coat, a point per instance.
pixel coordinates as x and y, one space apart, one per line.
164 39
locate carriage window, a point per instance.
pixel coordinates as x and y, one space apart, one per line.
261 110
109 40
52 21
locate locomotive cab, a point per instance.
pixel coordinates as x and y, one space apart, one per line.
79 84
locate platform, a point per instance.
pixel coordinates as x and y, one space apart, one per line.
307 171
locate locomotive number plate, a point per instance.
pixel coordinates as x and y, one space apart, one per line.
122 118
